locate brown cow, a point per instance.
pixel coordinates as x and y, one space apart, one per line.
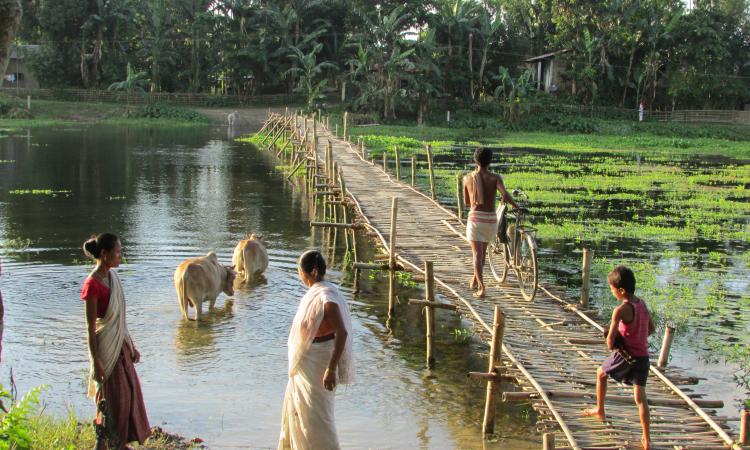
200 279
250 258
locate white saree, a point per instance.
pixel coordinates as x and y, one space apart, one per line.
307 418
111 333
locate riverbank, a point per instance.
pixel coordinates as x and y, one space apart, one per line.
46 113
46 432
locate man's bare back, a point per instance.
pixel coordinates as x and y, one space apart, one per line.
490 182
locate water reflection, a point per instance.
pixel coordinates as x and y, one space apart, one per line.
197 339
172 196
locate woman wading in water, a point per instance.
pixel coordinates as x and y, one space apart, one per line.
320 357
111 350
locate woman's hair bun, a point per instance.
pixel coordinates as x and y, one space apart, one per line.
90 248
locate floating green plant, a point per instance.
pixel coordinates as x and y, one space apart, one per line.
49 192
16 244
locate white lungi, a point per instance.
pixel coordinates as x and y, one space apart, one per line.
307 420
481 226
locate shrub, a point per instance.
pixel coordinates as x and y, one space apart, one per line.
164 111
14 424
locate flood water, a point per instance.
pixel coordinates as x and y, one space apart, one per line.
176 194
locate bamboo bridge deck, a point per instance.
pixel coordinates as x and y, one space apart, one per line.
550 346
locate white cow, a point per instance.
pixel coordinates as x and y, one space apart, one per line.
199 279
250 258
233 118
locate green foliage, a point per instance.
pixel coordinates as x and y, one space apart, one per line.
15 422
164 111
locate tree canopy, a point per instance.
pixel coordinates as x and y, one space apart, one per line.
401 57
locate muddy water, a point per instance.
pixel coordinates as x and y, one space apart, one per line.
177 194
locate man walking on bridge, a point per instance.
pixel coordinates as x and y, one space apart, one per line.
480 192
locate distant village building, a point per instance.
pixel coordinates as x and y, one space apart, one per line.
18 73
547 69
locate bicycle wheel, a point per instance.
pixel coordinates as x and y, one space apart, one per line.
499 258
527 269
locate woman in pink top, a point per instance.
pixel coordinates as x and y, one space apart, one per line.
628 338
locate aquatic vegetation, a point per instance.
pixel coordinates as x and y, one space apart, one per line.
16 244
462 335
49 192
7 161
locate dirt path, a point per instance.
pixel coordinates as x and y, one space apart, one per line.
249 118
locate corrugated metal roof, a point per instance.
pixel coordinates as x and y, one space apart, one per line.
544 56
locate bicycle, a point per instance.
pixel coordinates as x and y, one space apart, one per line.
518 253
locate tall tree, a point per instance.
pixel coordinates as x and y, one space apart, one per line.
10 18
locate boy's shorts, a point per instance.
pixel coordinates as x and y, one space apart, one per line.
617 367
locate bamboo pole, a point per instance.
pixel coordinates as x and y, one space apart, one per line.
362 148
344 212
392 258
336 130
548 441
429 311
413 170
666 344
498 328
587 257
398 163
385 162
744 428
432 172
459 197
346 125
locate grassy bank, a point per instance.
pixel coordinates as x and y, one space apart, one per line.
46 113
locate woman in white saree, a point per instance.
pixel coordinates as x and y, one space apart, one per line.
320 357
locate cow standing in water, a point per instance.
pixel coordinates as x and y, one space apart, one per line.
233 118
250 258
202 279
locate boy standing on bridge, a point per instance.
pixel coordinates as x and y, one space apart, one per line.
628 334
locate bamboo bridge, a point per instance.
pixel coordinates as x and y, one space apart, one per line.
547 350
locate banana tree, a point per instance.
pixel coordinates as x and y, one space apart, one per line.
309 72
133 82
512 92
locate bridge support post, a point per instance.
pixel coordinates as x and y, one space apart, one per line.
385 161
429 284
744 428
392 259
587 258
346 125
459 197
344 212
413 170
548 441
666 344
432 171
398 163
336 130
362 148
496 345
